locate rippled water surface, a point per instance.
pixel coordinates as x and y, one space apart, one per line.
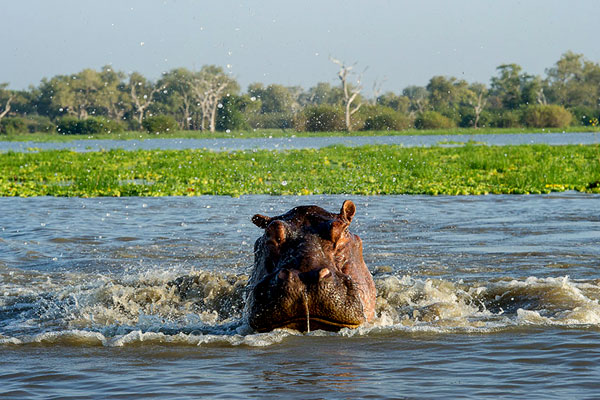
309 142
478 297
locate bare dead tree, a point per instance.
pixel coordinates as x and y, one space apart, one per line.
214 96
208 91
186 100
377 89
350 92
477 99
541 97
478 108
420 103
6 107
142 102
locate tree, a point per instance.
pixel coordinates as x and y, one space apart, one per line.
533 90
5 97
233 113
179 97
574 81
84 89
350 92
78 94
112 96
61 95
395 102
208 86
444 92
322 93
507 86
142 95
274 98
418 97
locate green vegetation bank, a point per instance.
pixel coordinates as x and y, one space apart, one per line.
369 170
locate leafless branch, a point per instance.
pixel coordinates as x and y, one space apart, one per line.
6 107
350 93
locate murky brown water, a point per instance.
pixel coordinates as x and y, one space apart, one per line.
478 297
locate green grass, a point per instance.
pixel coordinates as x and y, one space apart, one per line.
276 133
366 170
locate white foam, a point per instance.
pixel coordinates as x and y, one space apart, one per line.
145 308
10 340
69 337
253 340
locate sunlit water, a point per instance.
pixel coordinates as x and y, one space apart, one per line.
309 142
478 297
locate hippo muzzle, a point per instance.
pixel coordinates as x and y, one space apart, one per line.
309 272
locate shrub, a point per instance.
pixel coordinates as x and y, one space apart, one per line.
379 118
433 120
321 118
95 125
230 115
468 119
160 124
231 120
69 126
299 121
12 125
585 116
271 120
546 116
505 119
90 126
39 123
453 113
28 124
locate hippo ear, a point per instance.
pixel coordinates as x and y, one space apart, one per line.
348 210
261 221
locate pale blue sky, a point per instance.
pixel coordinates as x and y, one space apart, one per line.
275 41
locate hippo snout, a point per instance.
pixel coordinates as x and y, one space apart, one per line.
315 299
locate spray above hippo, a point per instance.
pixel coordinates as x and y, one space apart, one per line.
309 272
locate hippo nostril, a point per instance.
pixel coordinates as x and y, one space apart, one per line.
283 275
324 274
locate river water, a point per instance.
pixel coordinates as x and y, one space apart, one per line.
478 297
308 142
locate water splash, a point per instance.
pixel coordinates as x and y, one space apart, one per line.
206 308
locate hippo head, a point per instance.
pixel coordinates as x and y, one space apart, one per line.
309 272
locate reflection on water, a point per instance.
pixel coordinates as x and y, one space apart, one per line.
299 371
135 296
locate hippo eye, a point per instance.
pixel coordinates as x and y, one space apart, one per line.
335 230
276 232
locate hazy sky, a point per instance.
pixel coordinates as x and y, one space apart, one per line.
275 41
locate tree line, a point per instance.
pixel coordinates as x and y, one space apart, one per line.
93 101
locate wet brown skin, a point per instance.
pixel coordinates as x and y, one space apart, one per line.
309 272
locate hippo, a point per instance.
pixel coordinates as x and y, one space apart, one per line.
309 272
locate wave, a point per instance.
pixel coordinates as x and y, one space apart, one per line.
203 308
491 305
